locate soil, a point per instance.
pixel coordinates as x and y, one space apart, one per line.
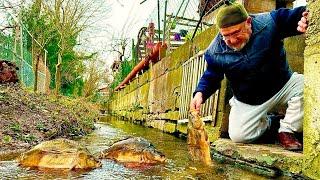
27 119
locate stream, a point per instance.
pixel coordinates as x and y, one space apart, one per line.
109 130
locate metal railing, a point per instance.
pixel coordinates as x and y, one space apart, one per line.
192 71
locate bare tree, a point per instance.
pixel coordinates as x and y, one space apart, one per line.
119 45
70 18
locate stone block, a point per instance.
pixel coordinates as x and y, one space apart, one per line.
158 124
142 96
263 6
171 115
271 156
295 52
172 88
159 68
169 127
182 128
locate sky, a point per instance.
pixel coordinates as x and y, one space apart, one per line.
124 20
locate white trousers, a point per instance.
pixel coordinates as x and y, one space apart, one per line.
248 122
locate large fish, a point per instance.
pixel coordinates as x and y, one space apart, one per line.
134 151
198 141
59 154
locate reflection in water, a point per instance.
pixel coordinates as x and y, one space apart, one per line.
178 166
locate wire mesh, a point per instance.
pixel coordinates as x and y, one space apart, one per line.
14 47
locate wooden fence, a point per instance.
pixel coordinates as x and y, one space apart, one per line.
192 71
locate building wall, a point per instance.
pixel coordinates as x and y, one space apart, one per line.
254 6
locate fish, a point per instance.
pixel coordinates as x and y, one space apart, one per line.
59 154
134 151
198 140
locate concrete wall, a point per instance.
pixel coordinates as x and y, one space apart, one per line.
312 93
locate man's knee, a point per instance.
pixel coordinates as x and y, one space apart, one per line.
238 136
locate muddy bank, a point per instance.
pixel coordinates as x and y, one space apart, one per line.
27 118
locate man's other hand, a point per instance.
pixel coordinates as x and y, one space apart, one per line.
303 23
196 102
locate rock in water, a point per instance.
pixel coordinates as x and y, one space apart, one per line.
198 141
133 150
59 154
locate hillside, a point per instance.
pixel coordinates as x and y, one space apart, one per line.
28 118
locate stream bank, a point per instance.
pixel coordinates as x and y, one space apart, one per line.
27 118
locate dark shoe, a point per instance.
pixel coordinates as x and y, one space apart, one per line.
270 135
288 141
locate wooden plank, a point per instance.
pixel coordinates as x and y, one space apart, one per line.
185 88
182 102
215 108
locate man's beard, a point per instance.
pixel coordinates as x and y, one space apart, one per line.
241 46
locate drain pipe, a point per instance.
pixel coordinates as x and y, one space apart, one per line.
216 6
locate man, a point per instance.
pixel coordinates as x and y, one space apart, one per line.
249 51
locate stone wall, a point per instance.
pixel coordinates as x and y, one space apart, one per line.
261 6
153 97
311 124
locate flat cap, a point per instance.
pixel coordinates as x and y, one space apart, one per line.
231 14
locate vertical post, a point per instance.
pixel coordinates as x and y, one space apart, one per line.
311 124
159 39
21 52
15 44
45 71
164 22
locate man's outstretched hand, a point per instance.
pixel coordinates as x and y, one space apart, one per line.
303 23
196 102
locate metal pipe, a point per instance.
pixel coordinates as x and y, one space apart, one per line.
175 17
159 39
216 6
201 16
164 21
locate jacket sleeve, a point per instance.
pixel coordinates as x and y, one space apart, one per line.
210 80
287 20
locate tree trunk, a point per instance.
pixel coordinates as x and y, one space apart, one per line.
58 75
36 69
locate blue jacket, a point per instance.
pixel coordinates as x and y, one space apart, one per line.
260 69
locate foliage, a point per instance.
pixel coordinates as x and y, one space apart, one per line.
190 33
91 83
6 139
56 26
125 68
15 127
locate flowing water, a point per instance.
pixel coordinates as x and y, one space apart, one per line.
179 166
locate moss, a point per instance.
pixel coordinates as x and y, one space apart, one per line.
312 94
182 128
169 127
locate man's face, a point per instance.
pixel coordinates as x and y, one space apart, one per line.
237 36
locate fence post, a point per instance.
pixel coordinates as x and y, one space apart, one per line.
21 51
